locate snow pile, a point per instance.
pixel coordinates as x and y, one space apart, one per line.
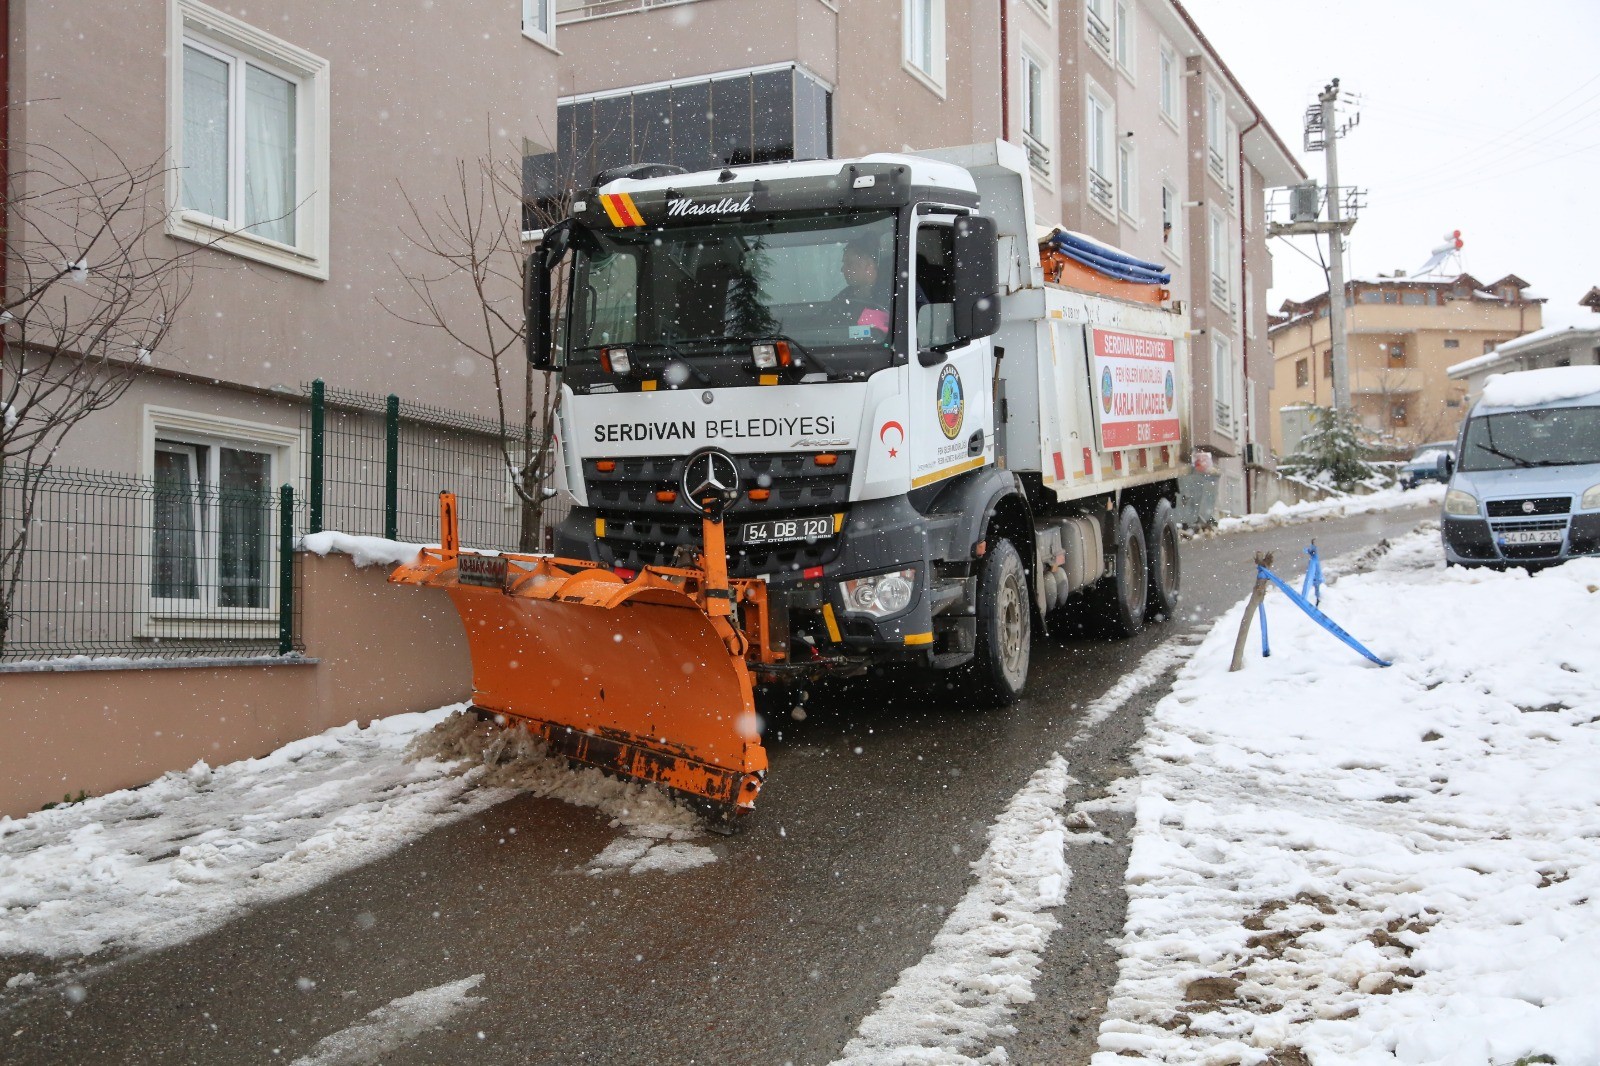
394 1025
1290 514
364 551
1338 863
1530 388
957 1000
150 867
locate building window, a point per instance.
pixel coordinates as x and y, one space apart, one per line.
1125 43
1220 263
1327 364
1171 217
1098 25
1222 383
1491 345
249 118
1397 413
1414 299
211 551
539 20
924 38
1390 297
1128 182
1099 133
1035 114
1397 354
1216 134
1302 373
1369 296
1451 342
1169 83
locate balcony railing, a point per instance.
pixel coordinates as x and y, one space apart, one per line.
1219 165
1219 289
1224 417
579 10
1100 190
1038 153
1099 30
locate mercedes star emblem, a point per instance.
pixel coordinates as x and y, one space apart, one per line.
710 474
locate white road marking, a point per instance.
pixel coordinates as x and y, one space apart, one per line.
394 1025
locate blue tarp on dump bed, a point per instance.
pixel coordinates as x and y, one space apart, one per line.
1107 260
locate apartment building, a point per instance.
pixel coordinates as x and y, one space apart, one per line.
293 131
1404 335
1138 133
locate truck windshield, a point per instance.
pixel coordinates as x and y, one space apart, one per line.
701 295
1553 436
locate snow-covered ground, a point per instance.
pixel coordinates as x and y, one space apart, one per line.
1288 514
149 867
1339 863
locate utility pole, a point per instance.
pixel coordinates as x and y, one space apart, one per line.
1322 133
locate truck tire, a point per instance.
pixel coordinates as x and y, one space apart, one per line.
1120 601
1166 572
999 668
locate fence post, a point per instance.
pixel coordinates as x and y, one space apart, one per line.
286 570
391 467
318 441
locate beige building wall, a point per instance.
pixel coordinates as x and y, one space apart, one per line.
374 649
1409 398
407 96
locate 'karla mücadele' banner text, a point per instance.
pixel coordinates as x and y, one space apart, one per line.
1136 385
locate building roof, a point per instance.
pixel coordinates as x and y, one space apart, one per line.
1591 299
1552 338
1293 310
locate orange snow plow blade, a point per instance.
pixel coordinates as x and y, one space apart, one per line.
636 677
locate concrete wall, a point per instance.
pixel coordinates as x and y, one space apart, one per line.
379 649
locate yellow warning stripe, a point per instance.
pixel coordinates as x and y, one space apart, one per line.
611 212
831 622
919 638
621 209
949 471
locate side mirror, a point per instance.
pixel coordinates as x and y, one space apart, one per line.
976 271
1445 466
536 294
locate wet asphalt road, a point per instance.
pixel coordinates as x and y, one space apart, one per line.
874 807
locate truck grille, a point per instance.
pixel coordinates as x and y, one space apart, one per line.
1541 505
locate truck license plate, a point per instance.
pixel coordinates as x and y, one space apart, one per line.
489 571
1532 536
782 529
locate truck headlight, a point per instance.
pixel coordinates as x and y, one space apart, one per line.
880 595
615 361
1461 504
1591 498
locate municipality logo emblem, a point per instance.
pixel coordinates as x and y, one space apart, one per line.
1172 390
952 403
1107 390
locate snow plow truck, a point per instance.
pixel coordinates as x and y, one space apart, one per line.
816 417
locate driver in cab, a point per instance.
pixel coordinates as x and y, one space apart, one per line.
863 303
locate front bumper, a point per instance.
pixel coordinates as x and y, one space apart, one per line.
1479 541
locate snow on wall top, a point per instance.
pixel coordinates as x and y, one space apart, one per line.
1530 388
363 551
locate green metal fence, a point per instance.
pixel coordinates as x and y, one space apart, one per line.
123 567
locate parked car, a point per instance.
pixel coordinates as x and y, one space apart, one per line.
1424 464
1526 488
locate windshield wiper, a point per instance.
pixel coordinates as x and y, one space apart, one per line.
1519 460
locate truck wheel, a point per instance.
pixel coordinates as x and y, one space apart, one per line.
1162 540
999 668
1120 601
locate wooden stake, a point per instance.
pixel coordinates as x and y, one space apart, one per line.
1256 596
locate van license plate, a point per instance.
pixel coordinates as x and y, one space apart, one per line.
777 530
1532 536
489 571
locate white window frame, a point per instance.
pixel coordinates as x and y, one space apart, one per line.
1103 145
1171 84
1094 12
1172 211
169 618
1047 10
1222 386
1125 38
1041 136
933 79
1216 134
533 13
1128 181
1220 251
189 21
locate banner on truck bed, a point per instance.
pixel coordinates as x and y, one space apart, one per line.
1135 379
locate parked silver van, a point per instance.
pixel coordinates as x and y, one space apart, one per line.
1524 486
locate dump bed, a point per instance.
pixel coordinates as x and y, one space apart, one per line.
1095 374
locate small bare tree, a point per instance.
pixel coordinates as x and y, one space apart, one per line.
472 290
88 300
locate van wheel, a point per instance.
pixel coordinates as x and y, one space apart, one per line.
998 671
1120 601
1166 571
